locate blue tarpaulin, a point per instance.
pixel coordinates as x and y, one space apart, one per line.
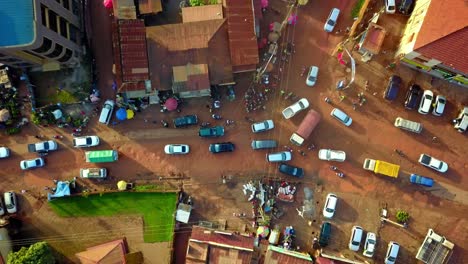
63 189
121 114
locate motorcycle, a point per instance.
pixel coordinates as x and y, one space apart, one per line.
58 137
42 153
216 117
333 168
303 70
205 124
340 174
164 123
229 122
288 95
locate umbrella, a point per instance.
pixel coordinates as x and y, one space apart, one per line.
108 4
122 185
171 104
4 115
130 113
263 231
292 20
121 114
264 3
57 114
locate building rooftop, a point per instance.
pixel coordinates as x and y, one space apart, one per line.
222 238
149 6
110 252
202 13
277 255
374 38
444 33
241 31
16 23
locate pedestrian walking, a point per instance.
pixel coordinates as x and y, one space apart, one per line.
342 97
327 100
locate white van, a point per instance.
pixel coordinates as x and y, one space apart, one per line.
461 122
279 156
408 125
106 112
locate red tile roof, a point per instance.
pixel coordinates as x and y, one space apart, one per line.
451 50
111 253
276 255
130 54
219 255
374 38
222 239
242 38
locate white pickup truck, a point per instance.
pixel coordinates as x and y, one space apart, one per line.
295 108
93 173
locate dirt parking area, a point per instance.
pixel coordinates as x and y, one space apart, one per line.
140 143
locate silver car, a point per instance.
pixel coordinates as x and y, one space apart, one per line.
332 155
312 76
263 126
439 107
31 164
174 149
331 20
341 116
87 141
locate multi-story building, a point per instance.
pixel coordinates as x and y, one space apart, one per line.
40 34
435 40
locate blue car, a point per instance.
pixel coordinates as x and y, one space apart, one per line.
421 180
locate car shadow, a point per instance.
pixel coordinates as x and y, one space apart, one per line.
345 212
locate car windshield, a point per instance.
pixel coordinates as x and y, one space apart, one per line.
37 162
441 101
311 78
331 22
346 119
46 145
88 141
391 258
428 97
356 243
329 210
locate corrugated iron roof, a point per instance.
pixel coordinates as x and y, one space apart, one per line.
451 50
277 255
202 13
219 255
110 252
374 38
241 31
443 18
227 240
130 54
124 9
149 6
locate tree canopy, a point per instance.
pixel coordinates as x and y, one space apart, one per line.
38 253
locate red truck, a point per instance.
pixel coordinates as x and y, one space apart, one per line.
306 127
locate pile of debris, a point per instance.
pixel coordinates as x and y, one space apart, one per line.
286 192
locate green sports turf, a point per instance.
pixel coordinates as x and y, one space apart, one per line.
158 210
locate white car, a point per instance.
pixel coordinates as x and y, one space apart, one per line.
331 20
174 149
341 116
426 102
332 155
439 107
433 163
392 252
263 126
4 152
369 245
87 141
295 108
390 6
330 205
356 237
10 202
312 76
31 164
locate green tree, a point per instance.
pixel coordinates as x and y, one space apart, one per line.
38 253
196 2
402 216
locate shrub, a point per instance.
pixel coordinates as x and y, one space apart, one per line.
13 130
357 8
402 216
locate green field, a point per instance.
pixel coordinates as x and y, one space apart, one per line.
157 209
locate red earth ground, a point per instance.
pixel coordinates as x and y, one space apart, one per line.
362 194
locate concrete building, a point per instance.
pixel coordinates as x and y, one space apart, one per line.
41 35
434 40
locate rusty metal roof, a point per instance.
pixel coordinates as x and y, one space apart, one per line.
124 9
149 6
228 240
276 255
202 13
241 31
374 38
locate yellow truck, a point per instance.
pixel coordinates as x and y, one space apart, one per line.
381 167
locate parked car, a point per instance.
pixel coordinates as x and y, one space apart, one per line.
391 92
43 146
312 76
369 245
330 205
291 170
390 6
221 147
341 116
421 180
93 173
264 144
331 20
439 107
10 202
279 156
295 108
31 164
461 122
433 163
332 155
356 237
2 210
174 149
426 102
216 131
106 112
263 126
84 142
325 233
184 121
392 252
412 96
4 152
406 7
